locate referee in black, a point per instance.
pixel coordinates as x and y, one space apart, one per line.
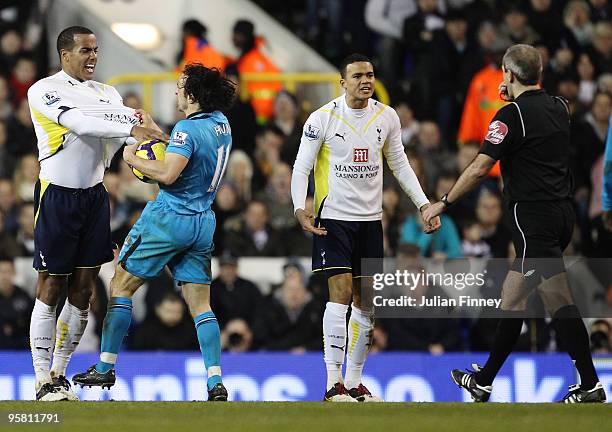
531 138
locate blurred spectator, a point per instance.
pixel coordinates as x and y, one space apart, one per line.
25 233
252 235
233 297
133 212
601 10
118 207
482 100
380 338
419 28
290 319
489 216
253 60
6 108
197 49
240 174
515 27
15 309
386 18
131 188
601 48
576 17
132 100
241 117
451 56
472 245
297 241
226 206
24 74
420 331
21 136
601 340
409 125
268 146
286 113
445 243
604 83
586 71
7 161
277 197
391 220
588 142
8 243
11 44
168 328
434 152
545 17
26 176
8 206
236 336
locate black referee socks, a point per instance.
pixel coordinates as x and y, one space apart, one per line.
575 340
508 332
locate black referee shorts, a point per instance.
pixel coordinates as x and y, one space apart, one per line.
346 245
541 230
71 228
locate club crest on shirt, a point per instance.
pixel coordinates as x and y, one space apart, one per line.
50 98
179 138
497 132
311 132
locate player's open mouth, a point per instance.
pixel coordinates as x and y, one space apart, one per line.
90 67
366 89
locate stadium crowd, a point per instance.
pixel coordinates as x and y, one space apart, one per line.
440 62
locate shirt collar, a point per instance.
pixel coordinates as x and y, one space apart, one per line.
62 74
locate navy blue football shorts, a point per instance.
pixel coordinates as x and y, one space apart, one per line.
347 246
71 228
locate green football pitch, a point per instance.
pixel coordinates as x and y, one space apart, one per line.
311 416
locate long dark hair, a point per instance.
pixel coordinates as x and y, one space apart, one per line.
209 88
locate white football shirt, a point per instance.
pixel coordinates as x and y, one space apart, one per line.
68 159
346 148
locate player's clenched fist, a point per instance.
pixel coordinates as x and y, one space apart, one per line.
306 220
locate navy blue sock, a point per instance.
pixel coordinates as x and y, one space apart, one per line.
116 325
209 337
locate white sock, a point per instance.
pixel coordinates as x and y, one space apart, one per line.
42 339
334 341
361 326
70 327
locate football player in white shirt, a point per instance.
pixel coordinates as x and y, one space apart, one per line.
79 125
345 141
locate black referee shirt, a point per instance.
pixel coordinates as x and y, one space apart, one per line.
531 139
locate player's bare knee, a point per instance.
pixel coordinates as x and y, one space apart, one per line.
50 288
340 288
197 297
124 284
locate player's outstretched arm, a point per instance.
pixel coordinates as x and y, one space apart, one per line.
141 133
403 172
163 171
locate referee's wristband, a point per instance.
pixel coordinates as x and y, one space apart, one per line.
445 201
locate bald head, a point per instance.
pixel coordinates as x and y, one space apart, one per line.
524 62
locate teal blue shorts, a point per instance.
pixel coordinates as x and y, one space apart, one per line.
163 237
